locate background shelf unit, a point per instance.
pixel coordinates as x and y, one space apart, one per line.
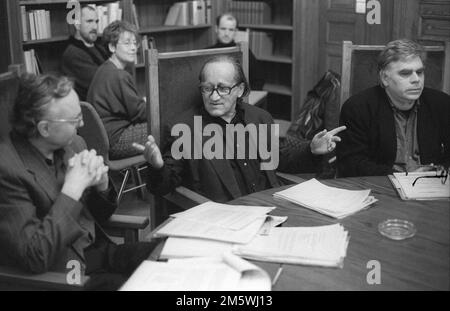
275 19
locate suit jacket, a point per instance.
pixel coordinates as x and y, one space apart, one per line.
41 228
213 178
369 144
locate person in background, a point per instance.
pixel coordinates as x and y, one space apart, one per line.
399 125
114 95
84 53
226 27
55 194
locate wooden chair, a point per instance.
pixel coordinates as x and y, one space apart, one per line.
359 68
172 87
118 225
94 133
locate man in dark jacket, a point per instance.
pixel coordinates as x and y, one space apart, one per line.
83 54
226 27
54 193
235 149
399 125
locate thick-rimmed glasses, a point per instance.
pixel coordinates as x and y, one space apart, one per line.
77 121
221 90
441 173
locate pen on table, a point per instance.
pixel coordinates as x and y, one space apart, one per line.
277 275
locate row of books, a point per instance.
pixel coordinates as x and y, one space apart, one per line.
35 24
107 14
32 64
197 12
251 12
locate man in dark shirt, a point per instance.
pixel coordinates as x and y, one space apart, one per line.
232 159
226 27
83 54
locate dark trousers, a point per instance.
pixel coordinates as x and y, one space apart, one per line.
109 265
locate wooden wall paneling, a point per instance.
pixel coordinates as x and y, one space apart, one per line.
405 20
305 46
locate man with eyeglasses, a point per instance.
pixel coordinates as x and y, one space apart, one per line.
113 92
399 125
84 53
222 86
54 192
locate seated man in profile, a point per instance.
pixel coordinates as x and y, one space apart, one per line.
398 125
54 192
226 27
207 167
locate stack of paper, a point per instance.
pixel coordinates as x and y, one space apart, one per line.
331 201
226 273
178 247
215 221
322 246
423 189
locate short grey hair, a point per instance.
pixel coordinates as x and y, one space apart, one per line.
400 50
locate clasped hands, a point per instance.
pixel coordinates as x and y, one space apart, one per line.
85 169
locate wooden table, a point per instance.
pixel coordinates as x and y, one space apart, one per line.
418 263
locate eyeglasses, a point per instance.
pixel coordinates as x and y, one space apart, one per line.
76 121
221 90
441 173
130 43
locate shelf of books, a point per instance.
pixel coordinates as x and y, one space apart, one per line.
271 32
172 26
45 30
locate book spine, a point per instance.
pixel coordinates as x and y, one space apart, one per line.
23 15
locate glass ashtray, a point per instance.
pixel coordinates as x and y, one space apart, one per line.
397 229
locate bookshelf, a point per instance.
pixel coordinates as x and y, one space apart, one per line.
274 21
149 16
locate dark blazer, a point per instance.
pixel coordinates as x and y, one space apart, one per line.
212 178
369 144
41 228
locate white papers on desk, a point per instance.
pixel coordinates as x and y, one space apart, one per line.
177 247
321 246
331 201
228 216
225 273
238 224
423 189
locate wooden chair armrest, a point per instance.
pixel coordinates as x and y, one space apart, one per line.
127 222
15 279
289 178
185 198
126 226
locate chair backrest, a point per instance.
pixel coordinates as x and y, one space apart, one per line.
9 84
359 68
93 131
172 82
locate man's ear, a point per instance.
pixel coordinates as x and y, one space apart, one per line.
384 78
241 89
43 128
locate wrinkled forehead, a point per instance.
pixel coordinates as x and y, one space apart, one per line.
219 72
